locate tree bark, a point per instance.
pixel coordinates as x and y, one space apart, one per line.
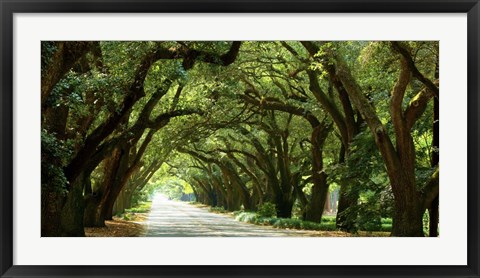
320 186
73 211
52 202
433 210
399 161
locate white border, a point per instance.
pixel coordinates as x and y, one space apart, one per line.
449 249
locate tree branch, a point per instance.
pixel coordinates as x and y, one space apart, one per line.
411 64
396 99
279 106
163 119
416 107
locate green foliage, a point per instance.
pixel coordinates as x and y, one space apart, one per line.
267 210
48 48
328 219
364 177
217 210
285 223
369 219
141 196
54 156
426 223
249 148
142 207
130 214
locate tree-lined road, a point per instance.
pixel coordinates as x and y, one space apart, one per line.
179 219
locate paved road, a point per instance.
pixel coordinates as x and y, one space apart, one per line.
179 219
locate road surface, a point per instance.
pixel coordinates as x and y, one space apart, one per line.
179 219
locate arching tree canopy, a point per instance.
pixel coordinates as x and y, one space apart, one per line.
242 126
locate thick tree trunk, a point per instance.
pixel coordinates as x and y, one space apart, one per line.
434 217
101 215
284 205
433 209
230 199
128 200
213 198
233 203
55 120
408 202
320 187
407 219
317 203
52 202
113 195
119 205
109 207
111 171
399 161
90 218
73 211
220 199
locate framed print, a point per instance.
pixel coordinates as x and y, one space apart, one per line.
239 138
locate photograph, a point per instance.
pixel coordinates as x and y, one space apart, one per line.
243 138
239 138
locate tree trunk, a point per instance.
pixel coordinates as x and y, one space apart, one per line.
232 202
433 209
399 161
434 216
109 207
328 207
317 203
111 172
320 186
284 205
407 219
52 202
220 199
121 203
90 218
72 212
128 199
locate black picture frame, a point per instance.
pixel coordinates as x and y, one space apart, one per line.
9 7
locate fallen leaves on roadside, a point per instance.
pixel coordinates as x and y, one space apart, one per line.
119 228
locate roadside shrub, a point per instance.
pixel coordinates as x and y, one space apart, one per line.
386 228
142 207
286 223
387 221
249 217
328 219
369 219
328 222
217 210
267 210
